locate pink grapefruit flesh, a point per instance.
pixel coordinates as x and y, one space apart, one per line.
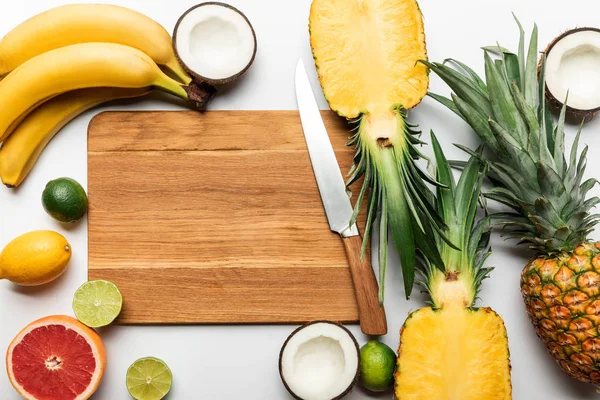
56 358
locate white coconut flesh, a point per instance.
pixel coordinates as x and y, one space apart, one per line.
319 362
215 41
573 67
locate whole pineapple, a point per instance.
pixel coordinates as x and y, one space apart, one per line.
547 195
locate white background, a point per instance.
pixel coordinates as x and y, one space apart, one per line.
230 362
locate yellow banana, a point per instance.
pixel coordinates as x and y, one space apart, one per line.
23 147
82 23
75 67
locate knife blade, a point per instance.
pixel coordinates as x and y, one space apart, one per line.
322 157
338 208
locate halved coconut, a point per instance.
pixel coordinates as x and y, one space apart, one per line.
214 42
319 361
573 67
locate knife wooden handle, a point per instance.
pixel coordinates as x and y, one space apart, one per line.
371 313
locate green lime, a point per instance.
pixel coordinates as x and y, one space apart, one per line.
97 303
64 199
149 379
377 364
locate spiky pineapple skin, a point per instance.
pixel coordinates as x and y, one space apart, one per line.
562 298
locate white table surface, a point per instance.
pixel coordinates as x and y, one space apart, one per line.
231 362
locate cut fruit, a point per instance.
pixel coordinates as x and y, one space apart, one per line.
573 68
453 351
97 303
215 42
149 379
319 361
453 354
366 53
56 358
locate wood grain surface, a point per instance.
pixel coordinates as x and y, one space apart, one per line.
215 218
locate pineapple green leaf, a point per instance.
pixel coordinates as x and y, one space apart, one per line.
528 167
496 49
446 102
467 192
511 69
371 215
530 117
545 116
521 53
470 73
530 78
383 250
559 141
587 186
463 87
504 108
475 119
368 174
551 184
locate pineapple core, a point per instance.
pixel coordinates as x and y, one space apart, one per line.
367 52
461 353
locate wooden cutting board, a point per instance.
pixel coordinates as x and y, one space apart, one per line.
214 218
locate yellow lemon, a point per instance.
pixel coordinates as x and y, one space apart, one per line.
35 258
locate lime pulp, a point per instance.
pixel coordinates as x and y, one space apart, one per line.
149 379
97 303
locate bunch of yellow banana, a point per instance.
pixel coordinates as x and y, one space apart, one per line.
64 61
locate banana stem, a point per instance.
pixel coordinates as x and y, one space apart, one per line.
178 71
198 93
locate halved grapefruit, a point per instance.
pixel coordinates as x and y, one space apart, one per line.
56 358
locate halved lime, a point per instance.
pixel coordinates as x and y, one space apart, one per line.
97 303
149 379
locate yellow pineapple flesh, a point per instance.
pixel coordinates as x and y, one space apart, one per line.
461 353
367 54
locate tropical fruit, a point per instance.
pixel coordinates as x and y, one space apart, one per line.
78 66
66 60
377 366
83 23
35 258
56 358
452 349
21 150
551 210
97 303
366 53
149 379
64 199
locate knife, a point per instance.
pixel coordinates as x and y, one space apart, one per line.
337 206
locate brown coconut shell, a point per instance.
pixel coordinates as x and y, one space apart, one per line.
193 73
573 115
356 376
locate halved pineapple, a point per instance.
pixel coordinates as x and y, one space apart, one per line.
452 350
461 353
367 53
